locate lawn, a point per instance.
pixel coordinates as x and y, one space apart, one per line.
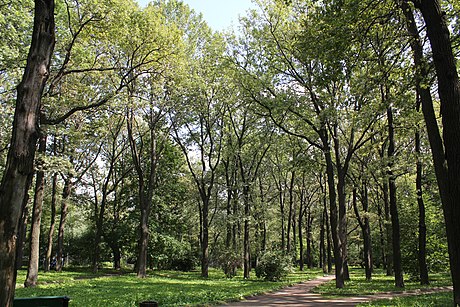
426 300
168 288
380 283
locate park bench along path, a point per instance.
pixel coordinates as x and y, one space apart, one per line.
301 295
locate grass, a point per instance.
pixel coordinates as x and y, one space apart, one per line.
426 300
168 288
380 283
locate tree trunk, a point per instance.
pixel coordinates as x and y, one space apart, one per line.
326 220
309 239
336 238
62 222
205 239
396 235
19 166
34 258
424 99
388 230
291 204
143 240
49 248
421 218
22 233
449 94
299 222
246 248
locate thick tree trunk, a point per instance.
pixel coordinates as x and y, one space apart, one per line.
334 219
141 264
62 222
424 99
19 166
396 235
34 258
449 94
49 248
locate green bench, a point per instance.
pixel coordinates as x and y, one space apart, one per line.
42 301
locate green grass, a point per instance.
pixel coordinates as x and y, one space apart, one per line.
426 300
380 283
168 288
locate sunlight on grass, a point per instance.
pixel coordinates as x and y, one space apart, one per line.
380 283
426 300
169 288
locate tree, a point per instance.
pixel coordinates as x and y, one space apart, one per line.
447 160
19 168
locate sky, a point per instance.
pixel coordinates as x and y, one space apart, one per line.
219 14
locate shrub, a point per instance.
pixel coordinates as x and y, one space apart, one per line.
273 266
229 261
171 254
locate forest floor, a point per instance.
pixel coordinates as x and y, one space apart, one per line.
302 295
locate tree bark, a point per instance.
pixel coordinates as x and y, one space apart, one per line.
68 185
22 233
396 235
34 258
49 248
19 166
290 216
423 98
449 94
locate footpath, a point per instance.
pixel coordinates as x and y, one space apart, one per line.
301 295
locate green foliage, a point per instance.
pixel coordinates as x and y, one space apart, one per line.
170 254
273 266
230 261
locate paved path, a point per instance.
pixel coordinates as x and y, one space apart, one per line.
301 295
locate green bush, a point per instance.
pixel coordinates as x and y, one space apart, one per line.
169 253
273 266
229 261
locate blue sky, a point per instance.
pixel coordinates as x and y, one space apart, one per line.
219 14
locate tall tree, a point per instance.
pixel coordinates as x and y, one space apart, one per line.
448 169
19 168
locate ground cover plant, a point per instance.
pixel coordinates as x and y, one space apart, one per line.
168 288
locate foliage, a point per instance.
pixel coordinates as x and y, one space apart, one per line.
273 266
230 261
170 254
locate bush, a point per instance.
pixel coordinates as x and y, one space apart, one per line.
229 261
170 254
273 266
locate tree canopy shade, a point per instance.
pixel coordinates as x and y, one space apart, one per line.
165 143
